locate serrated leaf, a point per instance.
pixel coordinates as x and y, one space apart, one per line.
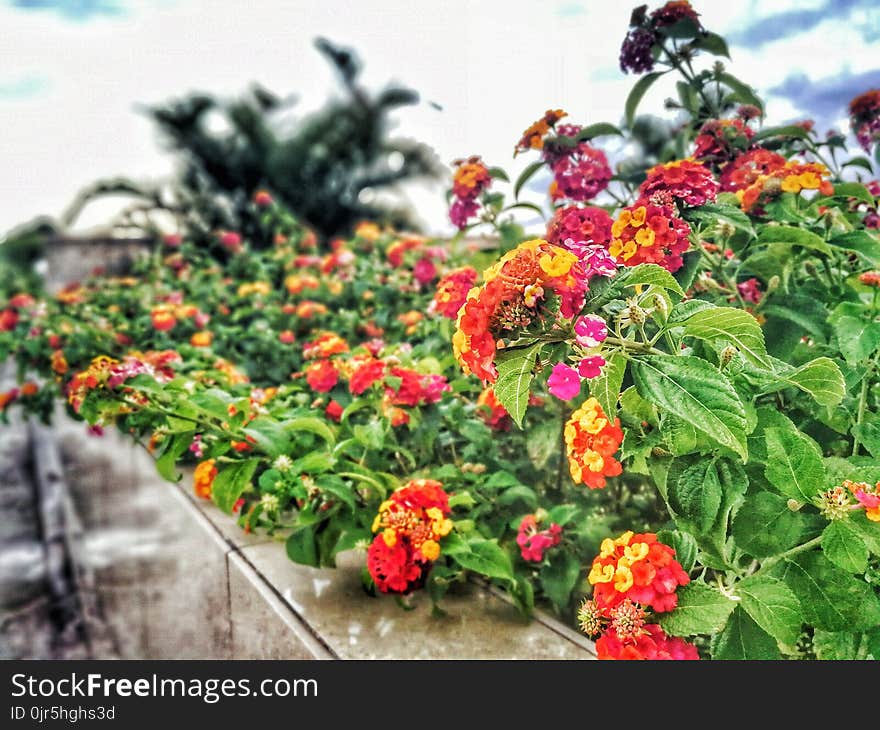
789 130
741 91
545 441
713 43
701 609
835 645
712 213
731 325
515 373
311 425
821 378
606 387
853 190
694 390
484 557
857 339
772 605
695 494
794 464
635 95
843 546
861 242
687 309
684 544
794 237
231 481
831 598
765 526
743 640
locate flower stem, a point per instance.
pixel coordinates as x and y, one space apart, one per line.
860 414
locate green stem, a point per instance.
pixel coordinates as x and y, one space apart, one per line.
637 347
770 562
860 414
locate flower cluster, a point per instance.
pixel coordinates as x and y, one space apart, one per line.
636 53
469 180
870 278
452 291
325 345
580 172
532 541
518 290
836 503
587 225
759 175
633 574
203 478
591 441
648 233
721 140
489 408
864 116
533 137
410 523
680 181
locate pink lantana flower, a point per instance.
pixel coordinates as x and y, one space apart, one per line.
590 330
591 367
564 382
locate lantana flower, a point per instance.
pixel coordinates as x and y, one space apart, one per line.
591 441
648 233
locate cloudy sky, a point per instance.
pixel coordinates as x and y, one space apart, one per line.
72 73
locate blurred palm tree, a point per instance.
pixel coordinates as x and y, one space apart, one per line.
329 169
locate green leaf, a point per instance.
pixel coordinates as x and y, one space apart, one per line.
370 435
302 547
772 605
843 546
311 425
831 598
765 526
600 129
694 390
231 481
821 378
713 43
271 436
687 309
635 96
835 645
701 610
806 313
315 462
734 326
857 339
562 514
794 237
166 464
868 531
484 557
545 440
712 213
684 544
789 130
560 577
519 493
691 266
853 190
861 242
336 487
527 206
515 367
794 464
742 92
649 275
525 176
498 174
695 493
743 640
606 387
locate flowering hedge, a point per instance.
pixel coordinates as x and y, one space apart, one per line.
656 416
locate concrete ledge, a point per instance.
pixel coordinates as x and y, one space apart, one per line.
177 578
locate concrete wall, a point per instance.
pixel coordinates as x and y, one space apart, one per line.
164 574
